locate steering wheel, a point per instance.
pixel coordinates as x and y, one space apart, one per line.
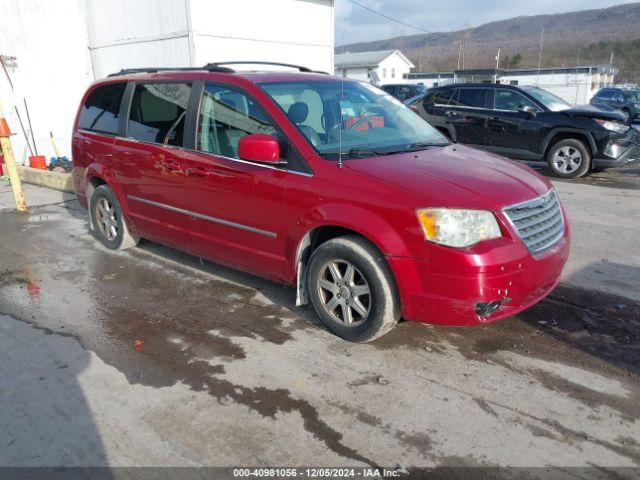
360 121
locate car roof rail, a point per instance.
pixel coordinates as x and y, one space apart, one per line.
210 68
276 64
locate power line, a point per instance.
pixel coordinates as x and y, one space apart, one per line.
387 17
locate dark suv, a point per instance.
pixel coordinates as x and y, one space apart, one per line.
403 91
625 100
531 124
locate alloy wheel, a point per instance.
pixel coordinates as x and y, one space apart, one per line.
567 159
107 219
344 292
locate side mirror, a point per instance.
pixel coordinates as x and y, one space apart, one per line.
259 147
529 110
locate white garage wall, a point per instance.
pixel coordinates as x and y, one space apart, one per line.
49 41
166 53
287 31
61 46
138 33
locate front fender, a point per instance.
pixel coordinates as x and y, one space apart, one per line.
559 130
361 220
357 219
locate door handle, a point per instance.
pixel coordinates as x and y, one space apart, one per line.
168 165
448 113
197 172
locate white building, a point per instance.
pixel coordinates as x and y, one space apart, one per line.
576 85
379 68
55 49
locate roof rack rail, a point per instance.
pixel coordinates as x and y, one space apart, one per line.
218 65
210 68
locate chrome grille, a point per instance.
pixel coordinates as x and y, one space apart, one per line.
538 222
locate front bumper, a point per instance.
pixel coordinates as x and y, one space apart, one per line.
619 151
436 294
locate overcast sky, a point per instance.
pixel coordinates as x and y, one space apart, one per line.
355 24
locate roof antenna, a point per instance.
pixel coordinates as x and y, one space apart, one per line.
342 73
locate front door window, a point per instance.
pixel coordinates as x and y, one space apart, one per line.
512 101
227 115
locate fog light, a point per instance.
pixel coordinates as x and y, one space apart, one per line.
484 309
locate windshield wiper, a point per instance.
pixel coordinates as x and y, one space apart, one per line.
359 152
424 145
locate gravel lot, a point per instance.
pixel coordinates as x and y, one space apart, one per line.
154 358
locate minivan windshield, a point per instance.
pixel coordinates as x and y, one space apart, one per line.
352 119
548 99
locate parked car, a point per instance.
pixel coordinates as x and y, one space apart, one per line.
413 102
326 184
625 100
403 91
531 124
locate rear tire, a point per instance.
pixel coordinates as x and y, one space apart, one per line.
569 158
352 289
107 223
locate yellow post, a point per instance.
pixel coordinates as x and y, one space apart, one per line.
10 162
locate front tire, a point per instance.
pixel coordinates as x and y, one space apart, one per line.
107 223
352 289
627 112
569 158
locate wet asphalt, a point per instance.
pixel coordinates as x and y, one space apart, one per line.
153 357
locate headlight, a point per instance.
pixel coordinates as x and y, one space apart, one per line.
613 126
457 228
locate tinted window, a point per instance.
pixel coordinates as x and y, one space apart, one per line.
438 97
100 111
226 116
512 101
472 97
408 91
158 112
604 94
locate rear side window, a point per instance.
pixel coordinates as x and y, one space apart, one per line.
439 97
604 94
472 97
100 111
158 112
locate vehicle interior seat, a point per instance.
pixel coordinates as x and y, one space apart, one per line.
298 113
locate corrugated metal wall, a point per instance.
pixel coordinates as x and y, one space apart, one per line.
289 31
138 33
62 45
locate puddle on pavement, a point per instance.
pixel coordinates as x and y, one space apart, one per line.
188 324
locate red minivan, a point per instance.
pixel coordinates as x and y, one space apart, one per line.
324 183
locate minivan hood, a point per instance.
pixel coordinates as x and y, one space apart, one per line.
595 111
456 176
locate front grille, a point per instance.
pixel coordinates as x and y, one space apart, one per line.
538 222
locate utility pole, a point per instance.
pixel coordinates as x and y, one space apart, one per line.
540 57
498 59
459 54
10 162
